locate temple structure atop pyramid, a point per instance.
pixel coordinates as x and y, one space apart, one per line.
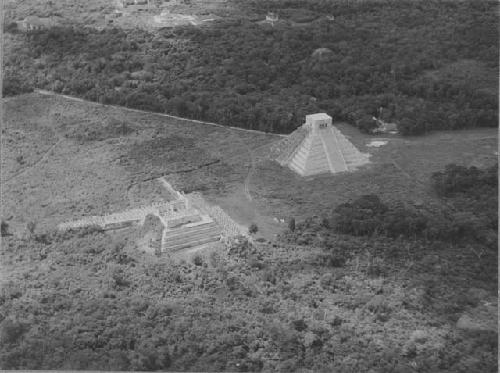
317 147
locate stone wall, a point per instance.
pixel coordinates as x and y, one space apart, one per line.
136 215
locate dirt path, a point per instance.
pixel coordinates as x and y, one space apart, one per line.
41 159
251 169
242 207
246 183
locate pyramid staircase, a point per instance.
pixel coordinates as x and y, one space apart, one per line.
318 147
310 158
353 157
185 237
333 151
286 148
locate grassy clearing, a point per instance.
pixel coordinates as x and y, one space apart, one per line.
97 168
399 170
99 174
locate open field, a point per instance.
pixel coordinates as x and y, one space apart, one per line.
75 163
65 159
399 170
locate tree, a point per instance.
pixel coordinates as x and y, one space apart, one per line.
237 64
11 331
253 228
366 123
10 27
198 260
4 228
31 226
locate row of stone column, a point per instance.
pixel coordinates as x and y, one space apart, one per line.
139 213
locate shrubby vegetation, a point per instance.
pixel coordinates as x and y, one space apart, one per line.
428 65
4 228
474 193
472 182
123 310
253 228
260 308
15 85
443 251
469 215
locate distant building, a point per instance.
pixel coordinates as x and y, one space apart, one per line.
125 3
34 23
272 17
318 147
136 5
111 18
385 127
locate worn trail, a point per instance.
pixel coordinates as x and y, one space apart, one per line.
44 156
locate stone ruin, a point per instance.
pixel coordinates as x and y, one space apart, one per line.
187 221
34 23
272 17
318 147
136 4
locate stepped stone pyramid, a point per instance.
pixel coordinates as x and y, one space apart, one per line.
318 147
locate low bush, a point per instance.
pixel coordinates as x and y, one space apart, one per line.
13 85
198 260
4 228
253 228
469 215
